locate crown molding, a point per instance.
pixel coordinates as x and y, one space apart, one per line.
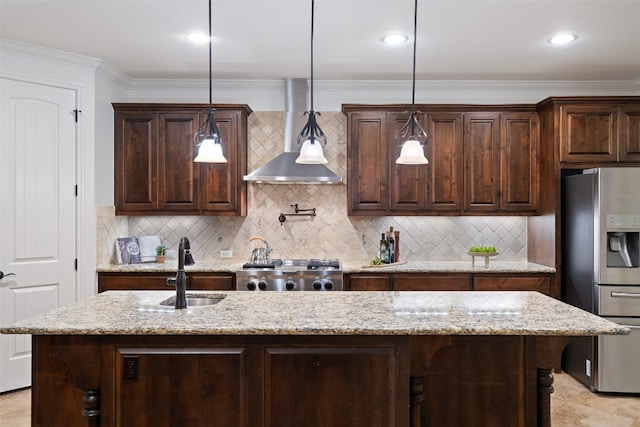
47 54
267 95
636 86
112 73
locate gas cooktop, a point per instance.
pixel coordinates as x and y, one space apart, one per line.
308 264
291 275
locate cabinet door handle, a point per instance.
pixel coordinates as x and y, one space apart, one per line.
3 275
624 295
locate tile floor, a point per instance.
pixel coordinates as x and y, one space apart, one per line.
571 405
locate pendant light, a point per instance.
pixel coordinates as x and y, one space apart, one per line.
311 138
210 145
412 137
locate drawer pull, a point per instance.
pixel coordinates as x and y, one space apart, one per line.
624 295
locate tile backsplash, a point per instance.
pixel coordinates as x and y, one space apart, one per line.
330 234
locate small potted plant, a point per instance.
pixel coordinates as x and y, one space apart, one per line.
160 254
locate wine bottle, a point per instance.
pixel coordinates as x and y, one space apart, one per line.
383 249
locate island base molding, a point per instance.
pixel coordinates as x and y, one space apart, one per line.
289 381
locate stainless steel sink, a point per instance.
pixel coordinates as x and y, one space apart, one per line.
196 300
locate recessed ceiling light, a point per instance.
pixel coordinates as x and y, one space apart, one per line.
395 39
198 38
563 38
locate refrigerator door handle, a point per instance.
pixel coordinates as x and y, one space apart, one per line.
624 295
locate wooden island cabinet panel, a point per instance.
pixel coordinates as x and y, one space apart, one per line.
163 386
154 168
255 381
332 382
292 381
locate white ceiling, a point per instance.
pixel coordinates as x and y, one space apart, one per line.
262 39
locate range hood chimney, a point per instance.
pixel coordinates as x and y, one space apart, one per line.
283 169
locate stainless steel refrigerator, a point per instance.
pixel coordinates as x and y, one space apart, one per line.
601 273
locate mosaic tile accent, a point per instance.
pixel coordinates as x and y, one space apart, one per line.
329 234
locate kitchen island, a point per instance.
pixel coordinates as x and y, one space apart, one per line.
302 359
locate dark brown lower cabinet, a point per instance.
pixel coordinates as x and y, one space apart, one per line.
540 283
368 282
450 282
158 281
431 282
223 381
189 386
335 386
293 381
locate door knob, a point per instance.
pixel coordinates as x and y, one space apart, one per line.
2 275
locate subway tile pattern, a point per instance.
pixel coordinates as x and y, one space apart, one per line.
331 233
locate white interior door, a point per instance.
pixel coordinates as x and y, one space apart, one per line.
37 213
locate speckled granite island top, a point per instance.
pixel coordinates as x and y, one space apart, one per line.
321 313
347 266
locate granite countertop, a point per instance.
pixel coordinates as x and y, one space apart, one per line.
347 267
321 313
171 266
447 267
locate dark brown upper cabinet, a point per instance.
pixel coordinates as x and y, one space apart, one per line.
480 162
154 169
598 130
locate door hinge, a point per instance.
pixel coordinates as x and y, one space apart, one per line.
76 190
75 264
76 112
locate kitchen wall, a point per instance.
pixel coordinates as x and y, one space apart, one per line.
329 234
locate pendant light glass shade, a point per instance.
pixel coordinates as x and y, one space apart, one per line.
311 138
412 137
311 153
412 154
210 151
210 145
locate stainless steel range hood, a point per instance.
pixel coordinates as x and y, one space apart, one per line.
283 169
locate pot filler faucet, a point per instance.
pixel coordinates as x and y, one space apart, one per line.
180 281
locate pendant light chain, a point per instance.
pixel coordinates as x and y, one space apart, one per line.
411 137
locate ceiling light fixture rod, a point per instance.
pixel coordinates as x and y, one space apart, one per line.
211 66
311 138
210 147
411 136
311 83
415 35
